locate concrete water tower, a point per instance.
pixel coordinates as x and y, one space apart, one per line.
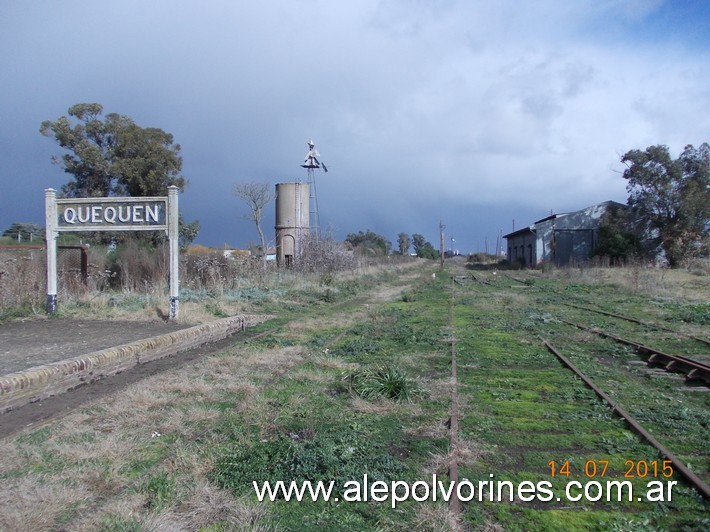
297 210
292 213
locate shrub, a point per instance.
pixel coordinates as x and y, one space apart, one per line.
323 255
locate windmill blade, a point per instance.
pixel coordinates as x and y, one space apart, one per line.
325 168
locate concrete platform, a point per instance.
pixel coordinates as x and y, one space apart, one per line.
63 360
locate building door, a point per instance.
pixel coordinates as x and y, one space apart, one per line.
573 245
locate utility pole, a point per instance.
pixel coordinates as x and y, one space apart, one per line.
441 244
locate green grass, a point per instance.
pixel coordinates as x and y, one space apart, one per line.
159 491
533 411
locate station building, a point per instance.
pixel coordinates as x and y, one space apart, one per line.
559 239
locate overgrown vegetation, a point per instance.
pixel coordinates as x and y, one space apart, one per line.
361 384
368 243
617 240
138 270
341 454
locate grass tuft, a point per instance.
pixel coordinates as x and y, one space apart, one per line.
384 381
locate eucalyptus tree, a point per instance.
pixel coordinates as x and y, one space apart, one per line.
368 243
671 197
111 155
403 242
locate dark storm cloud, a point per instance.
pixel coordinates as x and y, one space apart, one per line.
475 112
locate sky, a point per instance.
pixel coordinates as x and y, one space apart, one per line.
482 115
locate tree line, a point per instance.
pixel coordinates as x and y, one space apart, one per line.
370 243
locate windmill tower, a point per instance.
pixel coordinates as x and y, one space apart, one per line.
311 163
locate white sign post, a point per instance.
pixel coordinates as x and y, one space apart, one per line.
173 244
111 214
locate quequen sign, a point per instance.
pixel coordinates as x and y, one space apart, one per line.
112 214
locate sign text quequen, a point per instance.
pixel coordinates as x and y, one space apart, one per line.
112 214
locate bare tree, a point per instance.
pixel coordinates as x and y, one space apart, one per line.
256 196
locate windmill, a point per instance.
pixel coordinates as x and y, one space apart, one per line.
311 163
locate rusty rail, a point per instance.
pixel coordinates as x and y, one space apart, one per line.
640 322
679 466
693 369
454 502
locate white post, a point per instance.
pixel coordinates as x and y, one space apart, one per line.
50 210
172 215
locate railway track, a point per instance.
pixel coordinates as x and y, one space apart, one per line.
694 370
640 322
700 485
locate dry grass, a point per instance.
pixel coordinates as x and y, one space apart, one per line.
202 504
275 361
193 312
675 284
325 361
209 504
378 265
34 502
85 471
434 517
97 447
22 279
381 407
147 308
436 389
467 453
388 294
510 301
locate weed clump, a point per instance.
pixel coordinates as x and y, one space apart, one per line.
329 296
384 381
339 455
158 490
